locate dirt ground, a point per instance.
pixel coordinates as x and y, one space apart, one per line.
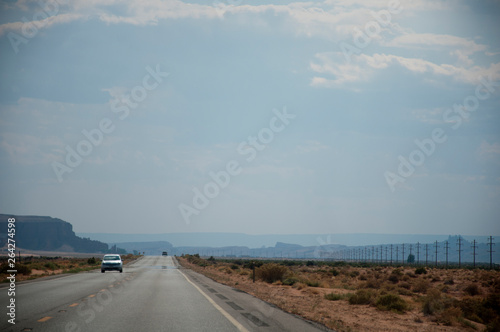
306 297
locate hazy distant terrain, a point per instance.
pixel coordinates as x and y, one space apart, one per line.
269 240
367 247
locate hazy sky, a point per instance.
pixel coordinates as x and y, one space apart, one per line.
256 117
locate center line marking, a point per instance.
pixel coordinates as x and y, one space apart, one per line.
222 311
44 319
73 305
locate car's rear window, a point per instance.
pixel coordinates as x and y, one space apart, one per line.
111 258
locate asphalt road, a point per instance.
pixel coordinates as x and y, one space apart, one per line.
152 294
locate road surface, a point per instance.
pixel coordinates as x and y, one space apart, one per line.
152 294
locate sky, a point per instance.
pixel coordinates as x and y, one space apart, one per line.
257 117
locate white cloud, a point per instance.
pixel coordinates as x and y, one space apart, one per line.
30 150
311 146
362 67
488 150
27 29
438 41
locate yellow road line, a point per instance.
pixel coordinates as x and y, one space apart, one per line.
73 305
91 295
44 319
222 311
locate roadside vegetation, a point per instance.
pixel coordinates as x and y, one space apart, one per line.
36 267
365 297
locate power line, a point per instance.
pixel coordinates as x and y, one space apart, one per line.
418 252
403 253
426 253
474 252
446 246
459 251
437 246
491 244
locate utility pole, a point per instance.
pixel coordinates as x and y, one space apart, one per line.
459 251
491 244
411 247
426 253
418 252
373 254
446 246
386 249
474 253
391 254
403 253
437 246
397 253
381 253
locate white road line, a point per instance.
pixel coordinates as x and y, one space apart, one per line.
222 311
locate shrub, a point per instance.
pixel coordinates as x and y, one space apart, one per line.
234 267
472 289
299 285
91 261
310 263
372 283
391 302
494 326
421 286
23 269
311 283
449 316
51 266
335 272
362 296
393 278
432 302
449 281
334 297
479 310
420 270
271 272
405 285
290 281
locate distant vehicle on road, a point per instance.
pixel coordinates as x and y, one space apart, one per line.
164 253
111 263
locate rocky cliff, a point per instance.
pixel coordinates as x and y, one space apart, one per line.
47 233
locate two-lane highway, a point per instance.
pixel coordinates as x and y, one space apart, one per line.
152 294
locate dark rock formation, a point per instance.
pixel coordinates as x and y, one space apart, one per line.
46 233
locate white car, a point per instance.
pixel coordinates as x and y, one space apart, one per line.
111 262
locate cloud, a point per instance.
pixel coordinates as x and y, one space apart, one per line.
30 150
489 151
311 146
362 68
438 41
26 28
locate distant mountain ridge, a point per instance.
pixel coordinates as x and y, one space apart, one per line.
269 240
